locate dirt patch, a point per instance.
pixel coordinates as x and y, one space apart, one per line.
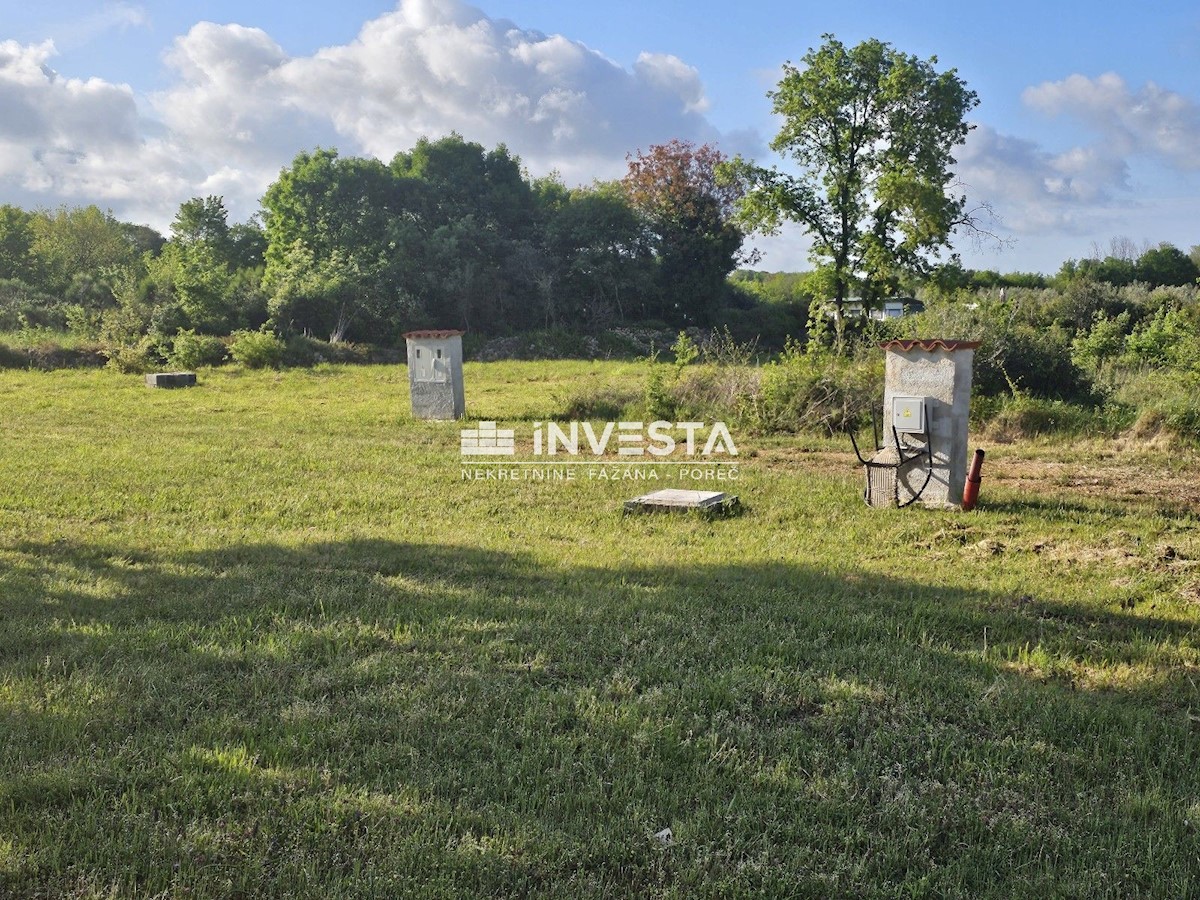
1159 481
1126 472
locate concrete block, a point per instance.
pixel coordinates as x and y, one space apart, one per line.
939 371
435 374
171 379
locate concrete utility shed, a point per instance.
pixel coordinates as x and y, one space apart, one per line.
937 371
435 374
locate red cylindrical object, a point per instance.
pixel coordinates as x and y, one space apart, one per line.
971 491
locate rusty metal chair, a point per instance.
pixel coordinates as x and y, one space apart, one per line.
883 468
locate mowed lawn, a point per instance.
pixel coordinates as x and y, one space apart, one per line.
260 638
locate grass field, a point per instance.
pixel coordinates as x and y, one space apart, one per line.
261 639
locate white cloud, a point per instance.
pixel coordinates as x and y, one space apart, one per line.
240 108
69 140
1040 193
109 17
1033 189
1151 120
434 66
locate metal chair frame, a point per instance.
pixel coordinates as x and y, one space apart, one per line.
872 465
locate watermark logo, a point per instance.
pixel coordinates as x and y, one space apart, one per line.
488 440
557 451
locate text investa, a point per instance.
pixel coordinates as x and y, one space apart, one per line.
633 438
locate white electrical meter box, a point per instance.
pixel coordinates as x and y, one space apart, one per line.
908 414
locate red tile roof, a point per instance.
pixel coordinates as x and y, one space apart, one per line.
434 333
931 344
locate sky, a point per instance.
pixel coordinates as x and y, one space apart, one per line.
1087 130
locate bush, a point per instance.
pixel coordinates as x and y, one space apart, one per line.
1020 351
190 351
1005 419
604 403
136 358
257 349
816 391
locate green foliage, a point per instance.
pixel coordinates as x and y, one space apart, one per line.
685 351
1022 416
660 400
1102 344
720 348
209 270
190 350
17 259
1021 351
135 358
872 131
257 349
21 303
808 390
662 380
330 249
1167 265
597 266
689 213
82 241
1168 338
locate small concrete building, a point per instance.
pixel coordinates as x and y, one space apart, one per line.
927 399
435 374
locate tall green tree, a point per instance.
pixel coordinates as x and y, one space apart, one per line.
205 272
80 242
689 215
871 131
1166 264
17 260
329 255
470 217
599 266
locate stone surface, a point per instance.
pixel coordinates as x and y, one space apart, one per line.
942 374
171 379
435 374
675 499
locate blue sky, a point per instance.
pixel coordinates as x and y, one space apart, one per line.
1088 127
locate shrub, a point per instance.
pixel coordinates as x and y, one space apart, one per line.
190 350
716 392
815 391
257 349
301 350
1105 342
720 348
606 403
1024 416
136 358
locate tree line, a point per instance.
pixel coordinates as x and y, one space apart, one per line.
447 234
450 234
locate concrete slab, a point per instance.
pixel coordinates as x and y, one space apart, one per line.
678 500
171 379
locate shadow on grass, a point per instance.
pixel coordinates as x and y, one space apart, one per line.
373 717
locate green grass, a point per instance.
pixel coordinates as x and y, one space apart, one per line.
33 338
260 639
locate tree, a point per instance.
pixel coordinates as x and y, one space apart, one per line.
328 254
872 131
79 242
1166 264
209 268
202 219
598 262
16 245
470 216
689 214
